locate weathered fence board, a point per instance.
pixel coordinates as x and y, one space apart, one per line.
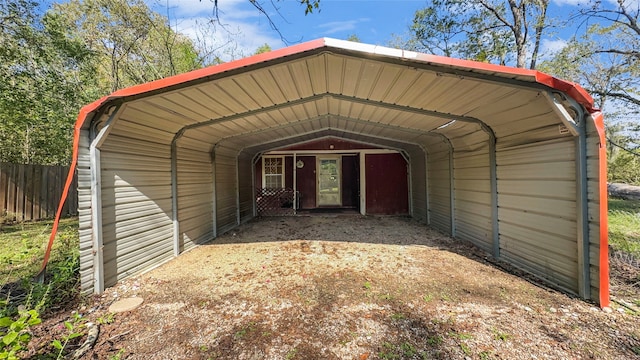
32 192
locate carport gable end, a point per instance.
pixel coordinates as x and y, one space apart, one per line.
511 160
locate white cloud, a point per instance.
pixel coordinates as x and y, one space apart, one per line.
193 8
549 47
338 26
229 42
235 33
570 2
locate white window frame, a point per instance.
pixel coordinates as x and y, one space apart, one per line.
264 173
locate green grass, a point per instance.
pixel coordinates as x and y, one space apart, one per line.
22 247
624 226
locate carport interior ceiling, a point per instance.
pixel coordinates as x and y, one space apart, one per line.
505 158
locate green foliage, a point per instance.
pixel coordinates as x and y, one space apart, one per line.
74 329
624 226
40 85
488 31
353 38
53 61
624 168
310 6
262 49
21 251
131 43
14 329
499 335
404 350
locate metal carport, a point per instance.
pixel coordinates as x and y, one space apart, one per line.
509 159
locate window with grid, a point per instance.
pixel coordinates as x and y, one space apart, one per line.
273 171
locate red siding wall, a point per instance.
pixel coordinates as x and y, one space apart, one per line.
387 190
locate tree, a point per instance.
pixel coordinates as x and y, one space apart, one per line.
53 61
354 38
133 44
604 59
616 34
42 72
262 49
505 32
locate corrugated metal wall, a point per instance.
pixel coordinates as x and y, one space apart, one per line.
472 197
418 181
245 186
195 197
84 213
537 209
439 183
225 167
472 189
136 206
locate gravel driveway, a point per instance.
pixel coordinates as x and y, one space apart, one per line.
351 287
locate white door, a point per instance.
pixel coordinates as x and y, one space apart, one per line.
329 181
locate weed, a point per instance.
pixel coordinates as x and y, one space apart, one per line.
291 354
498 335
367 285
485 355
74 330
386 296
398 316
118 355
427 298
434 340
465 349
240 333
444 296
461 336
14 332
106 319
244 331
408 350
404 350
203 348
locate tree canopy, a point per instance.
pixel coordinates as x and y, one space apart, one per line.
55 59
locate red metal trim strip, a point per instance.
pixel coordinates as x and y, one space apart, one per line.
604 217
65 191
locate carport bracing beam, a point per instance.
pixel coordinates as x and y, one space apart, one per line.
96 138
577 126
402 108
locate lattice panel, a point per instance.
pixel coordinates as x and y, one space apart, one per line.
275 201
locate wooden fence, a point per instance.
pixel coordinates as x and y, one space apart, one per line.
32 192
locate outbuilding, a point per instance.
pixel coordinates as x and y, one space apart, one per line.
511 160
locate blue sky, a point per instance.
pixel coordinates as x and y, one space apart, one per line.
373 21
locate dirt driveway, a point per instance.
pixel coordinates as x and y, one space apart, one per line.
350 287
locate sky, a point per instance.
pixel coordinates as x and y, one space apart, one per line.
372 21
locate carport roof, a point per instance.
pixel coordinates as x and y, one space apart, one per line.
512 77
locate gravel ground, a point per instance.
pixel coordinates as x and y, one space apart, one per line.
346 287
